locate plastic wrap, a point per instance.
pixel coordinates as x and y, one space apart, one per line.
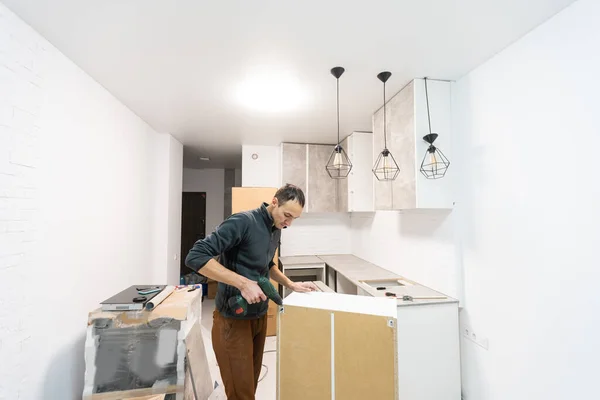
139 357
135 354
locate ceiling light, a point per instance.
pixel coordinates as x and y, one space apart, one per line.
434 164
385 168
339 165
271 90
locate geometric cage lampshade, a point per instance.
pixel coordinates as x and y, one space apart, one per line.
339 165
434 164
385 168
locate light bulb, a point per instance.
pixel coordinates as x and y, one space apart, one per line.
386 163
337 161
432 159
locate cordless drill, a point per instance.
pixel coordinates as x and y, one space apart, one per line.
239 305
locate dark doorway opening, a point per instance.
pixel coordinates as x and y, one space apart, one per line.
193 224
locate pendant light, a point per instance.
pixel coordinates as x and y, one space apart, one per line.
385 168
434 164
339 165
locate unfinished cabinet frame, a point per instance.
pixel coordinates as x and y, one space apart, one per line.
347 347
334 346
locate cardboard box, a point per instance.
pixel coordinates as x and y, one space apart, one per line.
212 289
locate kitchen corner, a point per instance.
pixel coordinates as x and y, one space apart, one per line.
349 274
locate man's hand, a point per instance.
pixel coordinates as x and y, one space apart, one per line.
303 287
252 292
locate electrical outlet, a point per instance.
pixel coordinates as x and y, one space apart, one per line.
479 340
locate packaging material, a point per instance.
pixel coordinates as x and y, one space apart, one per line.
148 353
156 300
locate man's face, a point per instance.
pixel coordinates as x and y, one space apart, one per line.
285 214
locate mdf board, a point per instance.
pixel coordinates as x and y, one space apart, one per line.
249 198
304 354
365 356
335 346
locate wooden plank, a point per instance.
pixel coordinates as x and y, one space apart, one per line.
197 366
132 394
248 198
365 356
304 367
178 306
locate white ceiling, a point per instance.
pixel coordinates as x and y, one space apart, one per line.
178 64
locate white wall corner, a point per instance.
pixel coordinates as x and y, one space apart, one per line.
168 181
261 166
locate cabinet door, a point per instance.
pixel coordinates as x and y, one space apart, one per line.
322 189
293 165
343 184
360 181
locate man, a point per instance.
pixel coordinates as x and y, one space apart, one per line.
246 244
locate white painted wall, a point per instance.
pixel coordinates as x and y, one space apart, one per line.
265 171
168 173
322 233
211 181
527 133
416 244
77 190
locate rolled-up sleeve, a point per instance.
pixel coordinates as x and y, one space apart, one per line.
227 235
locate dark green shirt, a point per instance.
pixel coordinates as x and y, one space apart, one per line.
245 243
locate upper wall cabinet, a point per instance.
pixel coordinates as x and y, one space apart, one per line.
356 191
407 123
303 165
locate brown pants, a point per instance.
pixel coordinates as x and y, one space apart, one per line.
239 346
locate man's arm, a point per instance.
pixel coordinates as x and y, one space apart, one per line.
201 257
280 278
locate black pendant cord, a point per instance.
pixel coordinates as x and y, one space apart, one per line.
338 109
384 120
427 100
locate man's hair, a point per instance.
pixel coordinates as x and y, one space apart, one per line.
290 192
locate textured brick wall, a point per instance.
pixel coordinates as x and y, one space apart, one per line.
78 210
22 57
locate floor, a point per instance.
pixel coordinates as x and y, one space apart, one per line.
267 384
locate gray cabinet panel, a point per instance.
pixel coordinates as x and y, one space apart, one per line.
293 165
322 190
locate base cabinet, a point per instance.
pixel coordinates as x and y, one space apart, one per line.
348 347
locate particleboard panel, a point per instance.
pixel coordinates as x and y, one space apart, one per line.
248 198
365 356
304 354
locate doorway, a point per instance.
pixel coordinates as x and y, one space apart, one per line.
193 223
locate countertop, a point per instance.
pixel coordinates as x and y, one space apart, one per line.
362 274
300 260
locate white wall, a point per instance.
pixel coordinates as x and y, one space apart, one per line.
211 181
265 171
168 176
528 134
416 244
76 211
321 233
